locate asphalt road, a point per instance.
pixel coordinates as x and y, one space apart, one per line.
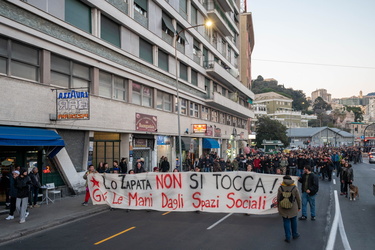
119 229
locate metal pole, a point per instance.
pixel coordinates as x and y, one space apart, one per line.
178 92
178 102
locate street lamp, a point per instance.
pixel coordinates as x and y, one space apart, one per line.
208 23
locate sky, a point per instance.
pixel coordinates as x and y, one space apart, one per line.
298 42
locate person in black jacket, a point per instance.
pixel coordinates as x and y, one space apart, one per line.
165 166
12 194
22 183
310 187
35 181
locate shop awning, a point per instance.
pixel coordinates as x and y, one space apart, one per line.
19 136
210 143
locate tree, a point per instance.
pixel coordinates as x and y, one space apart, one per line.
299 103
321 106
358 114
268 129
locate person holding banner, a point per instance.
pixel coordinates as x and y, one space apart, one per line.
289 215
90 170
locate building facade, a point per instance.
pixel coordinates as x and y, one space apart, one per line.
279 107
321 93
102 76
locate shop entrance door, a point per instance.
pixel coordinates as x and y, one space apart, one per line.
146 155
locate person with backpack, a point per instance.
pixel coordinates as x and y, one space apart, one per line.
289 204
310 187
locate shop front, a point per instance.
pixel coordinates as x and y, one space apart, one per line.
28 148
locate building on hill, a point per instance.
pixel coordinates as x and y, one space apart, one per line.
321 93
279 107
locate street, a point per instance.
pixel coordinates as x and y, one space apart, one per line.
190 230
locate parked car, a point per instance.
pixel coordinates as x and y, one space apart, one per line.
371 157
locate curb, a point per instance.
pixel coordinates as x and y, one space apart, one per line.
59 222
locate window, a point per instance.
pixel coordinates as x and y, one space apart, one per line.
181 39
164 101
222 118
194 15
214 116
167 25
183 71
18 59
69 74
183 104
142 95
196 49
78 14
194 77
163 60
205 113
141 7
112 86
224 91
229 120
145 51
183 7
194 110
110 31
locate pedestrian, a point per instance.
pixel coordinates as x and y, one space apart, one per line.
12 194
165 166
310 187
139 168
346 178
35 186
22 183
289 215
90 170
123 165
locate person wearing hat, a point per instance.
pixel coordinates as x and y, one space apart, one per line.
22 184
289 215
12 195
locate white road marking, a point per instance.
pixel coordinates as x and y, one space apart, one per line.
216 223
334 182
337 223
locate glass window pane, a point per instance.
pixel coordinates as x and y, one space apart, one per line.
105 84
183 71
136 88
60 79
136 96
159 101
120 88
79 83
3 46
145 51
110 31
25 53
163 60
24 70
3 65
78 14
81 71
60 64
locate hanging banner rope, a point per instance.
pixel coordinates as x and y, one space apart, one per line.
224 192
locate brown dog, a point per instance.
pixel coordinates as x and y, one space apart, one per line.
353 192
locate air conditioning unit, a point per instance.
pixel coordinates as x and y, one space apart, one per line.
234 72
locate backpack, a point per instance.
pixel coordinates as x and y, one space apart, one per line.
286 198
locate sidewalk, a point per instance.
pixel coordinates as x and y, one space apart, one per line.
62 211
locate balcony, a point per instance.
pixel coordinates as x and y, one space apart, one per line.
220 19
222 103
226 77
226 5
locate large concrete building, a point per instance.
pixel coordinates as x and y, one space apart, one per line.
321 93
95 81
279 107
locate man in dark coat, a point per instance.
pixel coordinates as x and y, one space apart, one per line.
310 186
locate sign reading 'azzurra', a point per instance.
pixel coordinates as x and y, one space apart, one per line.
72 104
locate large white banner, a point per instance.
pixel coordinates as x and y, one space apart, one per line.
225 192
